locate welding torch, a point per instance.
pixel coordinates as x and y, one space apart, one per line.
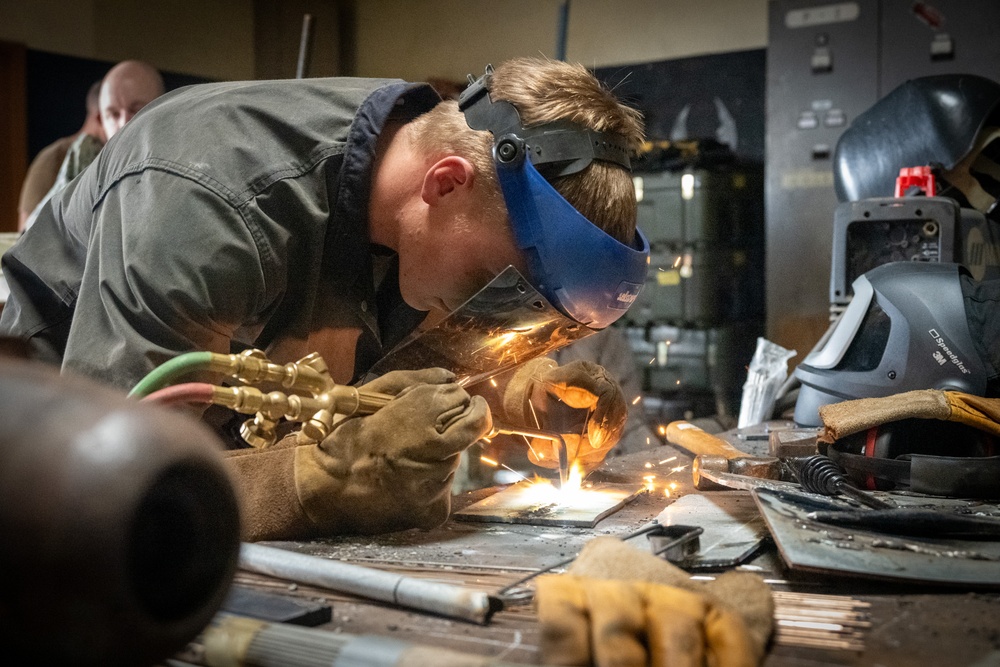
316 410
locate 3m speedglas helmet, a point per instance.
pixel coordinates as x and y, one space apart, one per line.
950 122
906 328
587 274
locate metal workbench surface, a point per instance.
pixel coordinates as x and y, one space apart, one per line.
910 625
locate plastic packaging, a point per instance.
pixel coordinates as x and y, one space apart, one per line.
768 371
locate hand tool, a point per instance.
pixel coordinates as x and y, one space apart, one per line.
316 410
713 453
561 418
820 474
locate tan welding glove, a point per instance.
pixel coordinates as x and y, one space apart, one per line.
849 417
620 606
536 388
383 472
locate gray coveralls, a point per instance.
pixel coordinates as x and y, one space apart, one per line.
231 213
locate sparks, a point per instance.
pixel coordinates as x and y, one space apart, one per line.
672 486
652 361
672 458
493 382
489 461
636 399
666 492
662 429
677 469
677 262
504 465
534 414
648 464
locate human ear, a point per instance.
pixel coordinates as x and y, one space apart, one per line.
448 175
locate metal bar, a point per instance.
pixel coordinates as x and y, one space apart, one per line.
444 599
305 47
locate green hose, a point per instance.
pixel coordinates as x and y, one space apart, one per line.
167 372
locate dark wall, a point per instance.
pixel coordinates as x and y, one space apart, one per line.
696 94
57 89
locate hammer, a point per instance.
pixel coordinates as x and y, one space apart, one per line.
712 453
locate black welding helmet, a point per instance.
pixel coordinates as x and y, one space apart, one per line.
905 328
949 122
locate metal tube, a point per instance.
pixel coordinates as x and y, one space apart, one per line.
235 641
444 599
305 47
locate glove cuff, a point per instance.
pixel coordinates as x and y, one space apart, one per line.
318 489
849 417
269 504
519 388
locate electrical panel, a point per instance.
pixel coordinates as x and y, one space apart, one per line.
827 62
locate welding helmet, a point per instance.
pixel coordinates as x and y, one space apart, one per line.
905 328
949 122
587 274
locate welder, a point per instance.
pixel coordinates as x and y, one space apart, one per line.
334 216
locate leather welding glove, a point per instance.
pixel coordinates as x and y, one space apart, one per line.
621 606
387 471
532 397
605 623
849 417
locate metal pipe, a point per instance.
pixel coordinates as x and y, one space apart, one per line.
444 599
305 47
235 641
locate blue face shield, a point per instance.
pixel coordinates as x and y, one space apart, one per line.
586 273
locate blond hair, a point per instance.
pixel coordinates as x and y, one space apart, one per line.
544 91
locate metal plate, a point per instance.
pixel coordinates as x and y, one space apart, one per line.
732 524
812 546
583 509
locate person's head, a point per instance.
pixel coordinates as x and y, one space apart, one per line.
543 91
92 123
128 87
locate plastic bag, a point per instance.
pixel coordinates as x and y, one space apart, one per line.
768 371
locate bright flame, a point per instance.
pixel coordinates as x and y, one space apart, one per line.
650 484
543 492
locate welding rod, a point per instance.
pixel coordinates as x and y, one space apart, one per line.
236 641
439 598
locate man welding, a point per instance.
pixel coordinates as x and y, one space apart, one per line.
334 215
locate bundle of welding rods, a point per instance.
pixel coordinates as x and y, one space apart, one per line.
835 622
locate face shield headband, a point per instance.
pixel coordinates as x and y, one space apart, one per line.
586 273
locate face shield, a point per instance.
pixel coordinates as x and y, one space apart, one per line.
581 279
504 324
580 269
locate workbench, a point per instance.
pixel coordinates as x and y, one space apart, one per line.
909 625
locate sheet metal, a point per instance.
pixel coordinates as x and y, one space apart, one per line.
733 527
809 545
514 505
